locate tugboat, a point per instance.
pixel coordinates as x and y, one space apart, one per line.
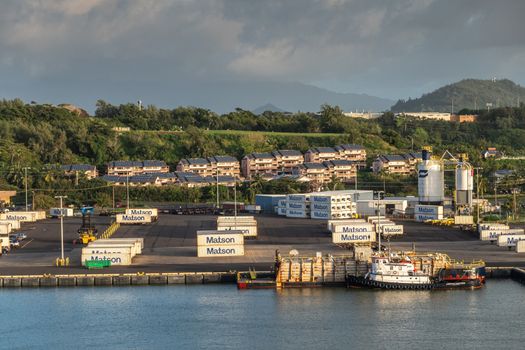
386 274
402 274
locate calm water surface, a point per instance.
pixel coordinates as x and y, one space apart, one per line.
221 317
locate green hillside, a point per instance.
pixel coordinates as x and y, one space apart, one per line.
466 94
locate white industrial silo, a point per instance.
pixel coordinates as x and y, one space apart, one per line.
430 179
464 183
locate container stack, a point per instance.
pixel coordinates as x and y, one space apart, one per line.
24 216
246 224
133 219
268 202
332 205
298 205
281 207
428 212
386 227
117 251
510 240
214 243
152 212
355 232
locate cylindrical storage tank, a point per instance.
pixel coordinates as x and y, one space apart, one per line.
464 178
430 182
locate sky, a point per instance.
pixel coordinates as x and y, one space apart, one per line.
213 53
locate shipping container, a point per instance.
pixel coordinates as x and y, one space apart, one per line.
153 212
434 210
133 219
281 211
293 213
220 238
520 247
506 240
425 217
268 202
5 227
492 226
238 218
136 246
139 240
353 237
298 205
247 230
463 220
492 235
21 216
121 259
56 212
15 224
372 218
345 221
298 197
392 230
351 228
220 251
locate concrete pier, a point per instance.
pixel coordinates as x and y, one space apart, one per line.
139 280
85 281
12 282
158 279
176 279
48 282
103 280
67 281
30 282
121 280
194 279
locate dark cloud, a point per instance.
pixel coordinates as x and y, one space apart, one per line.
81 49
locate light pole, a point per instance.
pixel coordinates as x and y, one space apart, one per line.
235 202
355 187
25 177
217 181
127 191
477 193
61 226
378 194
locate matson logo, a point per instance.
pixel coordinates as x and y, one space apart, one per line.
321 199
16 217
105 258
133 217
354 237
295 198
347 229
220 240
295 205
220 251
426 210
321 206
141 211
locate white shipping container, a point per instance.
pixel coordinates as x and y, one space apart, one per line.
492 226
392 230
139 241
299 197
4 241
298 205
506 240
281 211
334 215
375 217
5 228
520 247
134 246
222 238
247 230
235 218
353 228
463 220
56 212
346 221
115 258
218 251
133 219
19 216
282 203
113 248
15 224
143 211
492 235
425 217
358 237
428 209
292 213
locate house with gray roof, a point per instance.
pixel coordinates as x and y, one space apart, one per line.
132 167
89 171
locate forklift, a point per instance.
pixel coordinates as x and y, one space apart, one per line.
86 232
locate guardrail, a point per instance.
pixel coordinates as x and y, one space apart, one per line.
110 230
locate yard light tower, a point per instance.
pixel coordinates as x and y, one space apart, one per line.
61 227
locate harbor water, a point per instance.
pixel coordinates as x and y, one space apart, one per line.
222 317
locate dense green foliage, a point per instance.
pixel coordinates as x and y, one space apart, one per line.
465 94
43 136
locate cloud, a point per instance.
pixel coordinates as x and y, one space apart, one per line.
392 48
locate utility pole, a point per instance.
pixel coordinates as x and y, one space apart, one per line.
25 177
113 190
127 191
477 193
378 197
235 203
514 211
355 178
217 178
61 226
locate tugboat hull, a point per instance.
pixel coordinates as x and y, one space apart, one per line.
362 282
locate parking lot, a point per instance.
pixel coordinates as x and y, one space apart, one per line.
170 244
